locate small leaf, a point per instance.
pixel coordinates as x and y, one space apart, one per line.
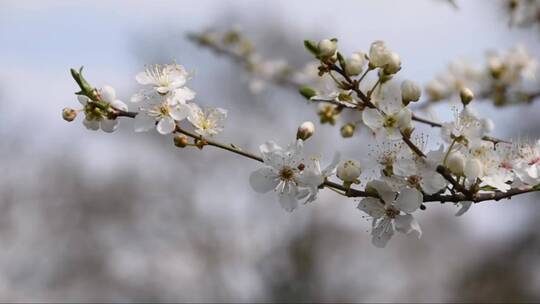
312 47
307 92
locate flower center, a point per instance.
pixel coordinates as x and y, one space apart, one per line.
390 121
164 110
414 180
286 173
392 212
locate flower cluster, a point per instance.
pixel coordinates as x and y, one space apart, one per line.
468 166
505 79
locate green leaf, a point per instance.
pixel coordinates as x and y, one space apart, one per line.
312 47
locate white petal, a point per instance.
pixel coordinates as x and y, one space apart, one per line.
184 94
91 124
180 112
372 206
144 122
408 224
109 125
464 207
83 99
120 105
408 200
107 93
166 125
263 180
333 165
432 182
372 118
382 232
143 78
288 200
386 193
163 90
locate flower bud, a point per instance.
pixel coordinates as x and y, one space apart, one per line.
305 130
349 171
393 63
473 169
410 91
378 54
307 92
456 162
348 130
69 114
327 47
355 64
466 96
181 141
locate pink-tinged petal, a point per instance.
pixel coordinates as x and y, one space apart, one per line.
144 122
408 224
382 232
408 200
109 125
372 206
263 180
166 125
464 207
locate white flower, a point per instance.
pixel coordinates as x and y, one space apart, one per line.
207 122
410 91
466 128
312 176
391 212
495 164
163 78
419 172
393 63
165 112
281 173
96 118
263 71
349 171
391 117
527 165
355 64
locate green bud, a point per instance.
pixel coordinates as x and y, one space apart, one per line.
348 130
307 92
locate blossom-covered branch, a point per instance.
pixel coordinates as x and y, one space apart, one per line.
404 174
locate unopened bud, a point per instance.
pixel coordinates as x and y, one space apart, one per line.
307 92
393 64
305 130
466 96
181 141
349 171
348 130
69 114
456 163
327 47
355 64
410 91
473 169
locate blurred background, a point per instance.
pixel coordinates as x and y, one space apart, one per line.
126 217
